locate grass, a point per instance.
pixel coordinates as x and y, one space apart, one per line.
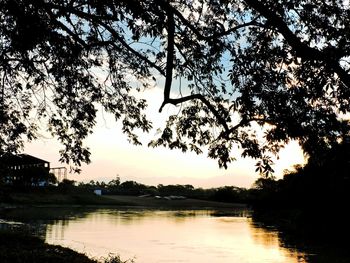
56 198
172 204
18 247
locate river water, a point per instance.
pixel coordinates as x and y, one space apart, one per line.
158 236
171 236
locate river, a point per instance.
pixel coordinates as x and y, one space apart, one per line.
160 236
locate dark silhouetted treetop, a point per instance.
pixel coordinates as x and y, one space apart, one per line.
235 67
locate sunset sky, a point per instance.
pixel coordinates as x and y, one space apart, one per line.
112 155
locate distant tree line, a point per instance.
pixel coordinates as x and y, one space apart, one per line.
116 187
323 181
313 198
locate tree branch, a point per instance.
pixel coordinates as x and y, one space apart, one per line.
200 97
98 20
53 18
170 58
245 122
216 35
302 50
133 51
169 75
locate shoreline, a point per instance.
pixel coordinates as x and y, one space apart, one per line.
20 200
16 247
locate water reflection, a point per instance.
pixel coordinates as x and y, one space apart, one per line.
169 236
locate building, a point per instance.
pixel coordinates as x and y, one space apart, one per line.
22 161
24 169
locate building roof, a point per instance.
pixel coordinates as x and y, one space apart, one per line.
20 159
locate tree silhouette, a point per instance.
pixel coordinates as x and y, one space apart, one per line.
243 65
323 181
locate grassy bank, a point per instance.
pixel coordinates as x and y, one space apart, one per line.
22 248
55 197
42 198
172 204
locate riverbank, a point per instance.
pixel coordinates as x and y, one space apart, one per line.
154 202
51 198
22 248
56 198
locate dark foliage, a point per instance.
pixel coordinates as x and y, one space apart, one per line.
230 194
323 182
246 65
21 248
312 200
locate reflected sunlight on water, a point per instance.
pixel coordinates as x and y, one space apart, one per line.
170 236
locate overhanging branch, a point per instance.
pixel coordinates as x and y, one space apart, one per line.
99 21
215 36
170 58
206 102
302 50
169 76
